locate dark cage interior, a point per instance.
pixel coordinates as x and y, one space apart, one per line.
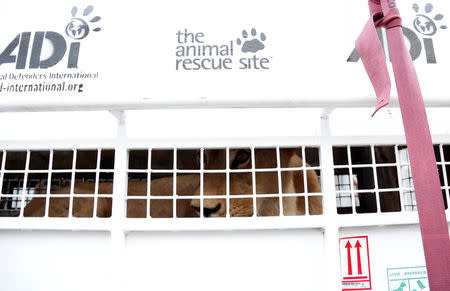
365 174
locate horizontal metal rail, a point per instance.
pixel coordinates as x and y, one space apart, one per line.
35 105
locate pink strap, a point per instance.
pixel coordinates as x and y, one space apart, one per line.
371 52
430 204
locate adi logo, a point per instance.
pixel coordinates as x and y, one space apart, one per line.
27 48
425 25
78 28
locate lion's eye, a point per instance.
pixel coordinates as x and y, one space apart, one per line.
242 156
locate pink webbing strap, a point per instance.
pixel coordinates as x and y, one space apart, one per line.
430 204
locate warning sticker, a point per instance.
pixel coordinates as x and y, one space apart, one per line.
408 279
355 263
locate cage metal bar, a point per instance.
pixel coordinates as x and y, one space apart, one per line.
227 177
49 185
255 205
174 184
262 195
352 186
202 181
374 189
261 170
149 177
2 171
75 195
287 141
120 187
375 178
305 181
24 183
370 165
93 104
280 186
53 171
400 182
72 182
444 172
329 207
97 182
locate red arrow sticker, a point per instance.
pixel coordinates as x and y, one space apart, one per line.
358 246
348 246
355 263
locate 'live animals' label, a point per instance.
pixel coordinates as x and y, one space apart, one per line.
408 279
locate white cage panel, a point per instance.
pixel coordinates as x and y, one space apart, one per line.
56 125
242 260
55 260
390 247
157 187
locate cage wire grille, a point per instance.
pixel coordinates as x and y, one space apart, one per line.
56 183
224 182
378 179
211 182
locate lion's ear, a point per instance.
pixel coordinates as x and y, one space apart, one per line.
286 155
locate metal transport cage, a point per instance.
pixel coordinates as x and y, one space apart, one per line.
209 156
131 193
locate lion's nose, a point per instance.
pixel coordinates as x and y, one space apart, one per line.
207 212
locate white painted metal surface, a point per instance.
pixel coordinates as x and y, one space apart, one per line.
305 45
315 236
194 112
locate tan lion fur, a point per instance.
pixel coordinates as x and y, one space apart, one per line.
214 184
292 182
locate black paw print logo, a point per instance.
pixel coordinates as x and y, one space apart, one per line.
426 23
78 28
251 45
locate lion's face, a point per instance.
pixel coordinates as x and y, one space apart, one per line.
241 183
215 183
